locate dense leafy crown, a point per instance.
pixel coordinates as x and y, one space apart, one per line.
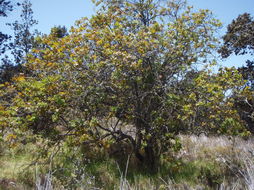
239 37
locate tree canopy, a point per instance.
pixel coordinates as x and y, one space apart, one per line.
239 37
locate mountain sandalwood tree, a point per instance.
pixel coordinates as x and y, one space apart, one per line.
209 105
123 75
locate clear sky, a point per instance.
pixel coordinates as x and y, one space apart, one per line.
65 12
50 13
226 11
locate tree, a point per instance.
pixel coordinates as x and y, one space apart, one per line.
239 36
23 42
209 106
5 7
239 40
59 31
120 76
24 38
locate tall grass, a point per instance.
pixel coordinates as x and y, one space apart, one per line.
44 182
236 154
226 162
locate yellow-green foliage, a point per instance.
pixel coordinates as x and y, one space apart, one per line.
134 68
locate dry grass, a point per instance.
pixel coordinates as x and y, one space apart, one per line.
233 156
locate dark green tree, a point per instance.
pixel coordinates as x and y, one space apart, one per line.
24 37
59 31
23 41
239 40
5 8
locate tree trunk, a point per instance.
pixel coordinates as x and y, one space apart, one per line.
151 159
138 139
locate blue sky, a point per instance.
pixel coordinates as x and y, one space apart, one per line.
225 10
65 12
50 13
